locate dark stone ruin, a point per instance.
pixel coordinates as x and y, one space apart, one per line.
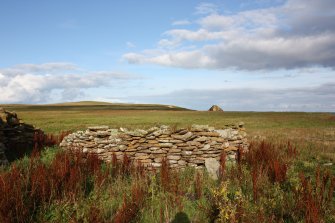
16 137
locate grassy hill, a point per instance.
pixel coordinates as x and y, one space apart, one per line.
91 105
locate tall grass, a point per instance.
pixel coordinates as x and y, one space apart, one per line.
264 185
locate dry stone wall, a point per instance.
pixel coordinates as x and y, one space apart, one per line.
181 147
16 137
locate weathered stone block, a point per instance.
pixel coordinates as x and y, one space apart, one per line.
173 157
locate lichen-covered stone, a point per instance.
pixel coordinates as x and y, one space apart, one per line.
212 166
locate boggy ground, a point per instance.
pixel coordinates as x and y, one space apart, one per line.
276 182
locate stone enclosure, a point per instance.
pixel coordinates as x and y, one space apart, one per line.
181 147
16 137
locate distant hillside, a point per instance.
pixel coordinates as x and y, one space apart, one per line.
91 105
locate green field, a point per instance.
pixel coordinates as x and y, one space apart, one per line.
54 118
301 127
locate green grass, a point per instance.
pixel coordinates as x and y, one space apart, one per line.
315 130
71 117
301 127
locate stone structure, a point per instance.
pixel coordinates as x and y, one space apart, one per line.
182 147
16 137
215 108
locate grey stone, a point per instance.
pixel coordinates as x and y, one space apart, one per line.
201 139
103 133
165 144
198 161
182 162
172 161
226 133
154 148
160 151
122 147
163 140
193 143
173 157
158 159
152 129
225 144
183 147
213 167
100 151
206 147
138 132
96 128
156 165
174 150
142 157
184 137
201 128
187 153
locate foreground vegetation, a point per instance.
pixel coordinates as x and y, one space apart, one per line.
265 185
276 181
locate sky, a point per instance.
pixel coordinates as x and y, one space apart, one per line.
251 55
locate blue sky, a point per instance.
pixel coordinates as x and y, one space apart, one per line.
256 55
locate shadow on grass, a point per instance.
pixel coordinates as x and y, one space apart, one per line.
181 217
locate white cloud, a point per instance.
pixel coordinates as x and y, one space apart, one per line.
245 20
39 68
38 83
251 54
199 35
166 43
206 8
187 59
294 35
217 21
181 22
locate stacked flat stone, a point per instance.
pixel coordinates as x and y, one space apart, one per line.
14 134
181 148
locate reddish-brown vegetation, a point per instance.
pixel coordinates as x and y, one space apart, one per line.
131 206
312 199
42 140
247 191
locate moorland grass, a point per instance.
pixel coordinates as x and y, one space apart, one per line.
58 118
299 127
264 186
315 130
276 184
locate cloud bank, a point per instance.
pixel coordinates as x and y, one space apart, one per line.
297 34
320 98
41 83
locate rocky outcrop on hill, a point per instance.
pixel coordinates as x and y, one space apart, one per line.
16 137
181 147
215 108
